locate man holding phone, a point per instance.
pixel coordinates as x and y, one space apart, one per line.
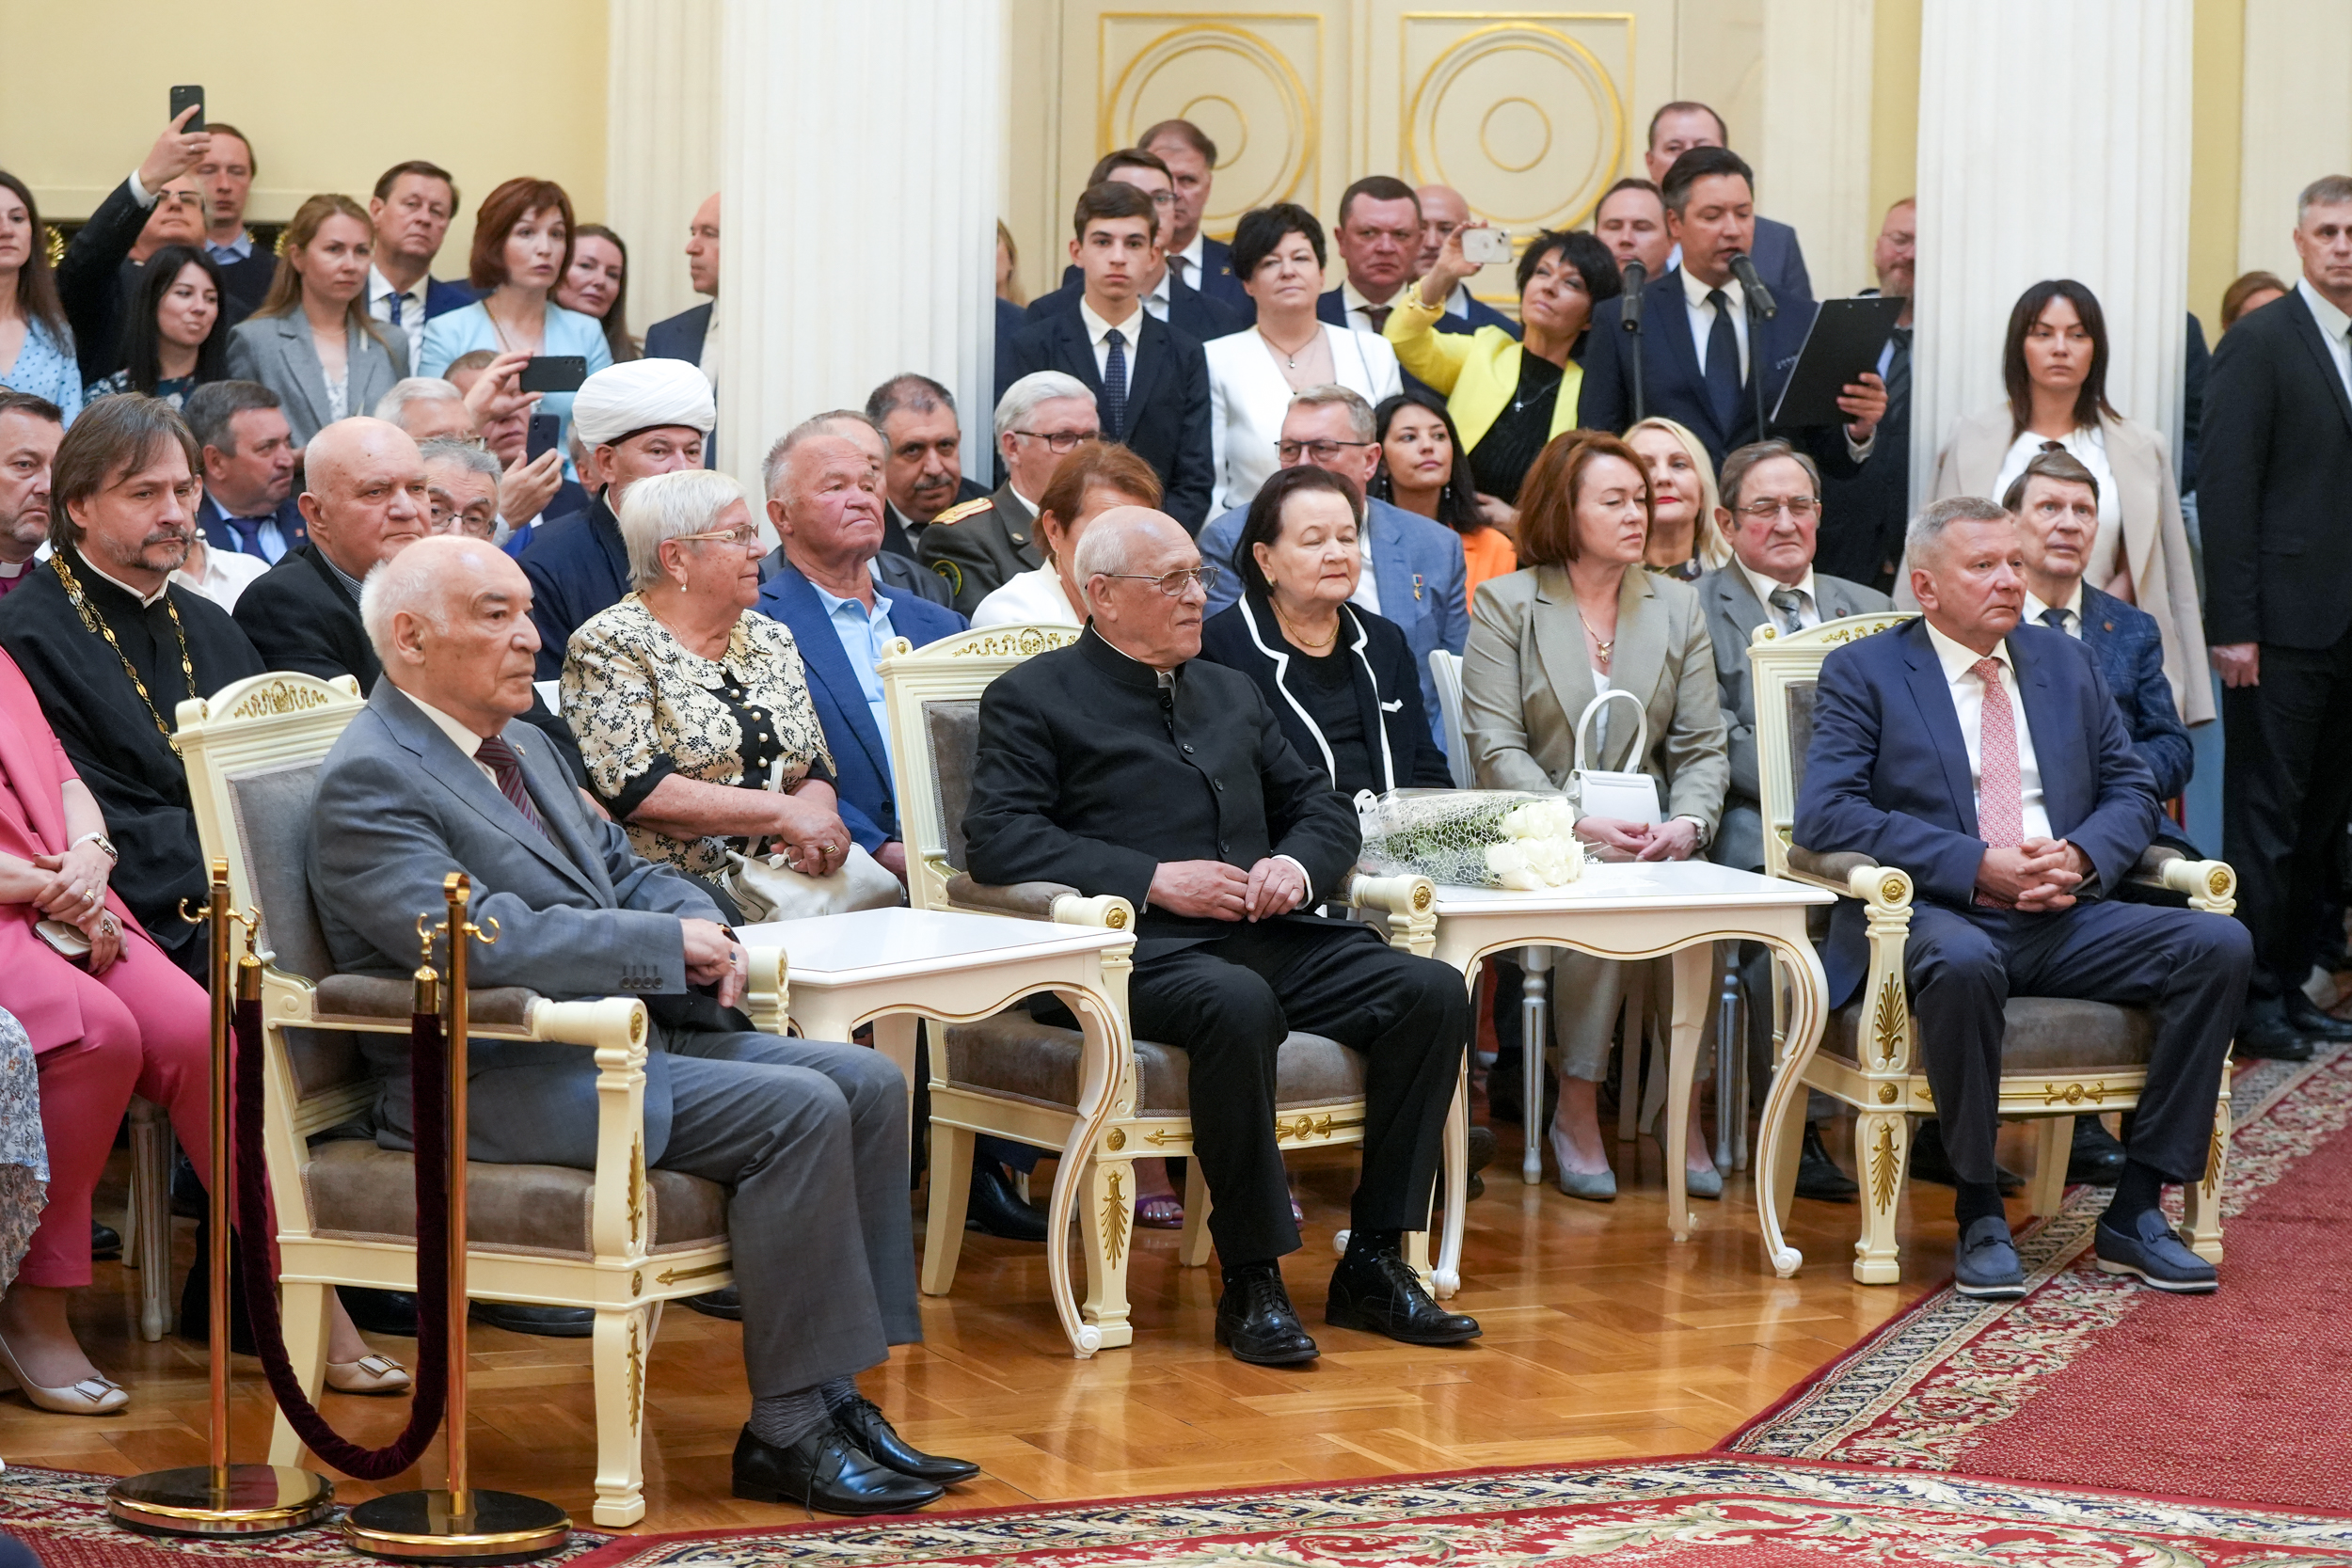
100 267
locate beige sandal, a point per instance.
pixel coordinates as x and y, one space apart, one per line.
95 1395
370 1374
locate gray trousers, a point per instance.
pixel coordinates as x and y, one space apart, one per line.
1586 992
810 1139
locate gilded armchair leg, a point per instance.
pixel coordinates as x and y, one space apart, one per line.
1106 1220
1194 1244
2201 1201
622 1342
304 1309
2054 1145
951 1192
1881 1148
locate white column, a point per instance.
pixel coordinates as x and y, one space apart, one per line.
661 142
859 152
1814 168
2053 142
2296 124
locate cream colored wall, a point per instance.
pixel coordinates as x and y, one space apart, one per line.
488 91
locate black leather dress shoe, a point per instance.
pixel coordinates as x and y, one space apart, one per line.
2263 1033
373 1312
863 1423
1931 1162
105 1242
1379 1292
1256 1321
2096 1159
1818 1176
995 1207
824 1470
549 1322
2305 1017
727 1304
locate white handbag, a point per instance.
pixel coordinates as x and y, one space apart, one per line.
1597 792
766 887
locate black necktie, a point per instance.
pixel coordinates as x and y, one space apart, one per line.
1723 361
500 758
1115 385
1899 374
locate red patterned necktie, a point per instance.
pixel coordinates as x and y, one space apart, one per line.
500 759
2000 788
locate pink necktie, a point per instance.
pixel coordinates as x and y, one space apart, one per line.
2000 790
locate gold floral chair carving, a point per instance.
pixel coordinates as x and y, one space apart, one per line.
2060 1057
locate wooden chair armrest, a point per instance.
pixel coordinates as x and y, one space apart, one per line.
1055 902
1853 874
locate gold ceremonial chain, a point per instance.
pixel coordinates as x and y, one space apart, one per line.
97 624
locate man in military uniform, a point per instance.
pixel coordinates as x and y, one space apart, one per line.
977 546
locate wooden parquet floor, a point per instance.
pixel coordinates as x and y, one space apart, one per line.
1603 1340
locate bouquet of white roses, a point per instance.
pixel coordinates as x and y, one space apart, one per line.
1472 838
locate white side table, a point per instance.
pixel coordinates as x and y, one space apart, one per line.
1641 910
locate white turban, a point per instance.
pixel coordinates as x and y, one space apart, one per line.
621 400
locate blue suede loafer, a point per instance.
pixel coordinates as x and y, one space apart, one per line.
1987 1267
2153 1252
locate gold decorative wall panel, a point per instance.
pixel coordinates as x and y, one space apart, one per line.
1251 79
1524 113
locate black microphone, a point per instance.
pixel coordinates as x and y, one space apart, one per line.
1759 297
1636 278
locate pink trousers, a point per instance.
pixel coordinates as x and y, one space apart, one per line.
147 1029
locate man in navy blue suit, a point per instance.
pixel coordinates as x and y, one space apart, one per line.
1197 261
411 210
685 334
1986 758
1187 309
1678 127
248 452
1708 359
1378 237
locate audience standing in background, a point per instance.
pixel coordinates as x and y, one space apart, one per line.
100 266
1278 255
596 285
1150 381
1864 513
226 175
410 213
1087 484
1678 127
30 428
1008 288
687 334
533 490
246 457
1424 471
1631 222
1684 539
976 546
922 457
1163 297
1443 210
2277 469
1378 239
176 336
36 344
1198 260
312 342
2249 291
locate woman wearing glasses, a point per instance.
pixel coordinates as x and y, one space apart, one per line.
688 704
1278 256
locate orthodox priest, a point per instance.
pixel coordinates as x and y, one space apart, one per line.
112 647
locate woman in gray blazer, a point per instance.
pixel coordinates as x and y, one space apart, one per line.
312 342
1580 619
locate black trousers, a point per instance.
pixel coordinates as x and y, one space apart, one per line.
2190 967
1228 1004
2286 789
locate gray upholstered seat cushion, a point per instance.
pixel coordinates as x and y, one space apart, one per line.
361 1193
1014 1056
954 731
2046 1034
373 1000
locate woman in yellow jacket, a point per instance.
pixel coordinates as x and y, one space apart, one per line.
1508 398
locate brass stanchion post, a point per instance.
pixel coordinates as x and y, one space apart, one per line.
219 1498
461 1522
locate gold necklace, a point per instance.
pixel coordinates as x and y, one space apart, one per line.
97 622
1290 631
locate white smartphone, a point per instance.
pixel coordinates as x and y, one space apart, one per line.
1485 246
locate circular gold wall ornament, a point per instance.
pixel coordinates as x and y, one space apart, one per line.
1272 128
1517 82
1524 126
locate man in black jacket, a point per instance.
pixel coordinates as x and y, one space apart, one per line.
1125 765
96 274
2274 488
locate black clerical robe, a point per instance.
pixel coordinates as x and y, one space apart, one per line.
140 781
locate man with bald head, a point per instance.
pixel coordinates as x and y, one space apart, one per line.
1443 210
1126 764
807 1137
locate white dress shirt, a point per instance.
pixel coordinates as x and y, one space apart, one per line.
1702 314
1194 257
223 575
1809 601
1959 662
1358 309
709 364
1367 595
1098 329
380 294
2074 608
1032 599
1155 301
2334 325
467 742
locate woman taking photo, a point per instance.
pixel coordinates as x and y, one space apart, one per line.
2054 364
312 342
1683 539
1278 256
36 344
687 703
1508 398
522 247
1095 477
173 341
596 285
1423 471
1340 680
1582 619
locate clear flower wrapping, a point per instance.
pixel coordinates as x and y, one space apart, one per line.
1494 838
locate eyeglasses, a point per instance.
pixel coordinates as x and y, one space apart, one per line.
1174 584
741 538
1799 507
1061 440
1322 452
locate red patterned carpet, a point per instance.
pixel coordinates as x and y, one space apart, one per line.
2093 1381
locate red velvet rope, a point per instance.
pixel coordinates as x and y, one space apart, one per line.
253 1230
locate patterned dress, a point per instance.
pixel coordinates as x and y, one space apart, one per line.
644 707
23 1148
46 368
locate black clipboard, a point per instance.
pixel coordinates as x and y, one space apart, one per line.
1844 340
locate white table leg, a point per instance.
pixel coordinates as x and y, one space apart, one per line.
1693 966
1809 991
894 1037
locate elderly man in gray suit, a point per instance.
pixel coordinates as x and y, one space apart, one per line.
1770 513
439 774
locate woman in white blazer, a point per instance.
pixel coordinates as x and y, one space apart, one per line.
1278 256
2054 365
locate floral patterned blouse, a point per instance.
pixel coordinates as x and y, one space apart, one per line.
644 706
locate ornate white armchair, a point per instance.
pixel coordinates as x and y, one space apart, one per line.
2059 1057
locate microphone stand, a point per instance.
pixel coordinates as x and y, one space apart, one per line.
1761 307
1636 279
